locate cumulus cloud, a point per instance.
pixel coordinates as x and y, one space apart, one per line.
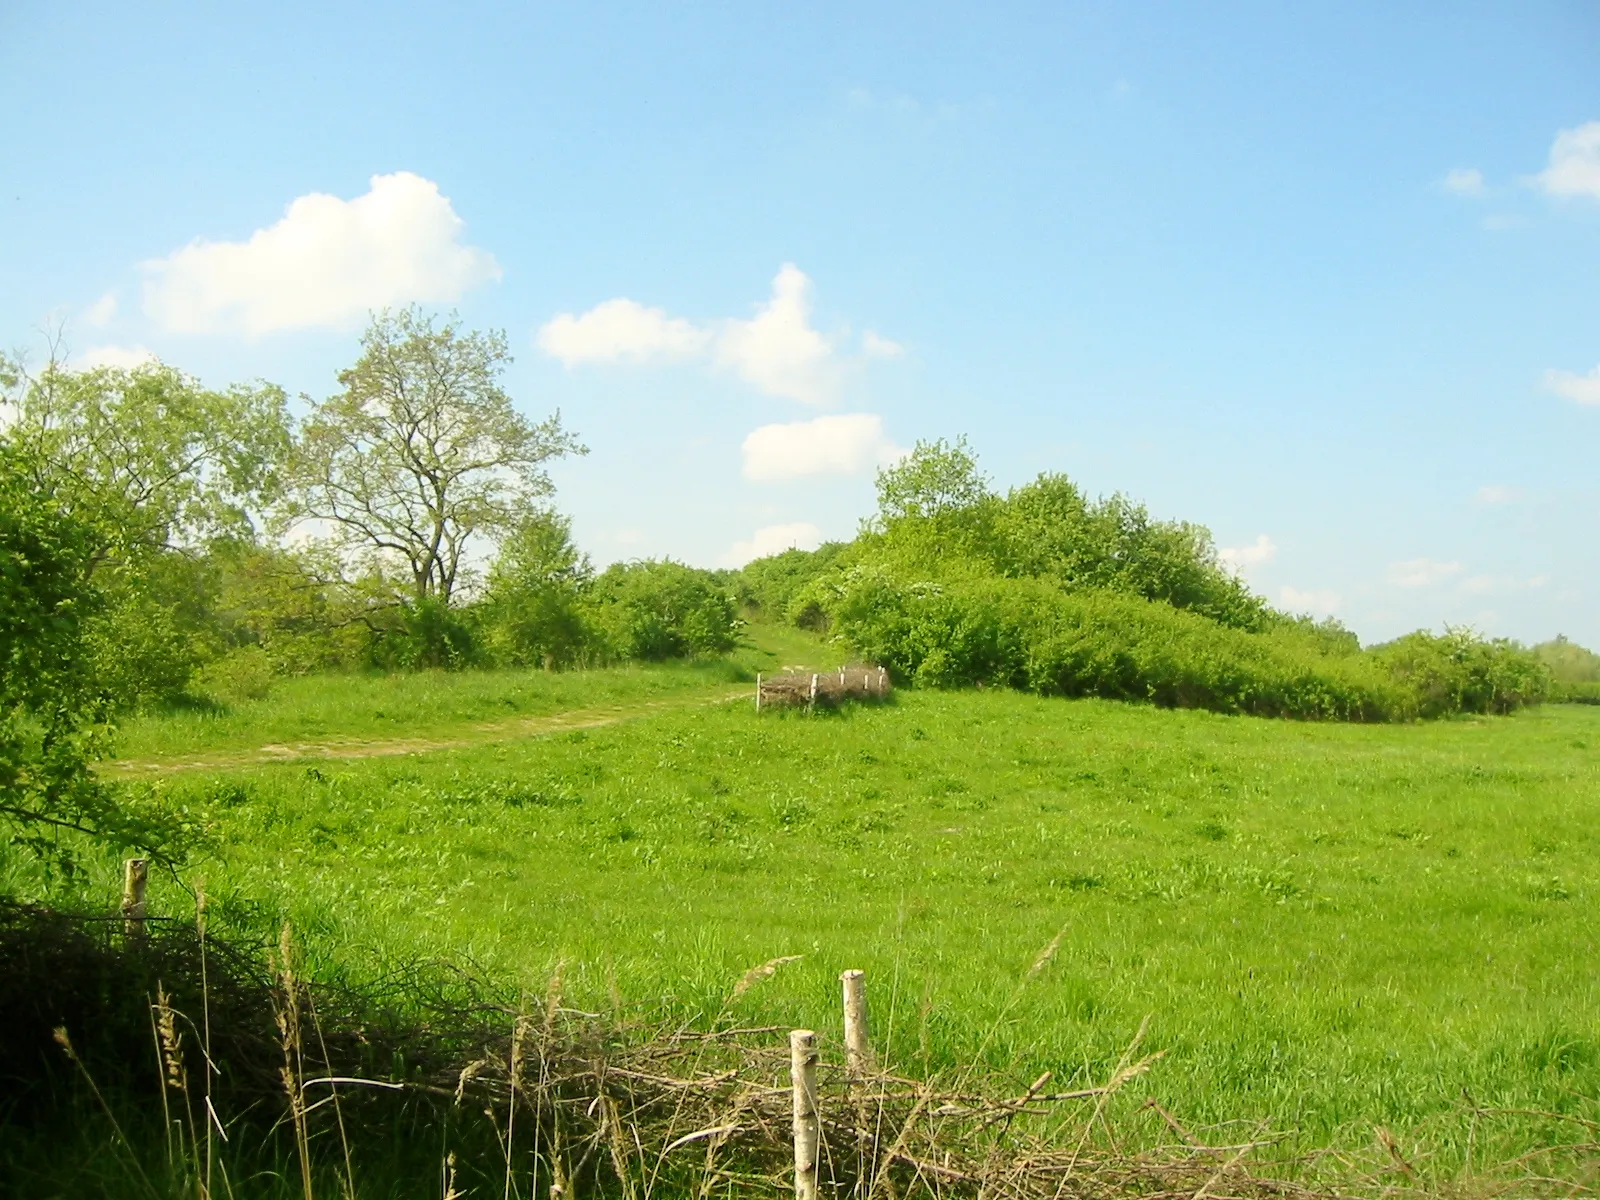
1495 493
1263 549
846 444
621 330
99 313
1574 168
125 357
774 539
325 264
1421 572
1569 385
778 350
1316 601
1463 181
875 345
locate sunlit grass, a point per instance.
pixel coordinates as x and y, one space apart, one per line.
1330 926
443 704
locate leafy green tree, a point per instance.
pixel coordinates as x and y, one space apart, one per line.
934 479
658 610
422 452
53 710
150 457
155 468
534 611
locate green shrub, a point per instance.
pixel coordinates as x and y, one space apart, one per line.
536 611
1036 635
1033 634
658 610
1461 672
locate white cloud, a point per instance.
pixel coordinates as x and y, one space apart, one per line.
1317 601
125 357
1574 168
1263 549
777 350
1495 493
1580 389
774 539
1479 585
621 329
326 263
99 313
1463 181
1421 572
875 345
846 444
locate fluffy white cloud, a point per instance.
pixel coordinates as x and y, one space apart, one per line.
99 313
846 444
1263 549
126 357
1580 389
777 350
1421 572
1316 601
621 329
1464 181
774 539
326 263
1495 493
875 345
1574 168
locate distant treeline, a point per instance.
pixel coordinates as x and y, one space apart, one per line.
220 544
1046 590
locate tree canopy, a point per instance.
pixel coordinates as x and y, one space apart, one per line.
422 452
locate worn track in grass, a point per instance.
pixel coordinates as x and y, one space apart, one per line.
465 735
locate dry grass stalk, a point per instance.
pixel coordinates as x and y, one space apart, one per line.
756 974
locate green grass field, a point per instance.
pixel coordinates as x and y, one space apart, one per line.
1329 926
346 713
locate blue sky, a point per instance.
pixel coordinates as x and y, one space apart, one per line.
1325 278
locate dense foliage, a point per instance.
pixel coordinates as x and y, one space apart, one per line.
1046 590
53 705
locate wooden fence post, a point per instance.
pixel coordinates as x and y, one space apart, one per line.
812 703
857 1046
803 1073
135 873
758 691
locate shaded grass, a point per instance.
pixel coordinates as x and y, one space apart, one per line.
1331 927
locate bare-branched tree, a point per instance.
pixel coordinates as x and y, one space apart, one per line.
423 451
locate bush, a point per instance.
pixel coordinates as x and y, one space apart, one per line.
1032 634
1461 672
659 610
536 612
1035 635
243 674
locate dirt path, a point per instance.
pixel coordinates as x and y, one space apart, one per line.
349 748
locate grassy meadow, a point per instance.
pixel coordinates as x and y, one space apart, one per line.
1328 926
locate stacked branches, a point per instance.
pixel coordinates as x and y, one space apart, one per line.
861 682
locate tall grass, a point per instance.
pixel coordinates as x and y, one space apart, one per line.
1330 926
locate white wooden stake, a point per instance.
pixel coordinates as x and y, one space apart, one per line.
813 701
758 691
803 1073
857 1047
135 873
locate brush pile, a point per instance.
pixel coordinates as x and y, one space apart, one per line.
857 681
